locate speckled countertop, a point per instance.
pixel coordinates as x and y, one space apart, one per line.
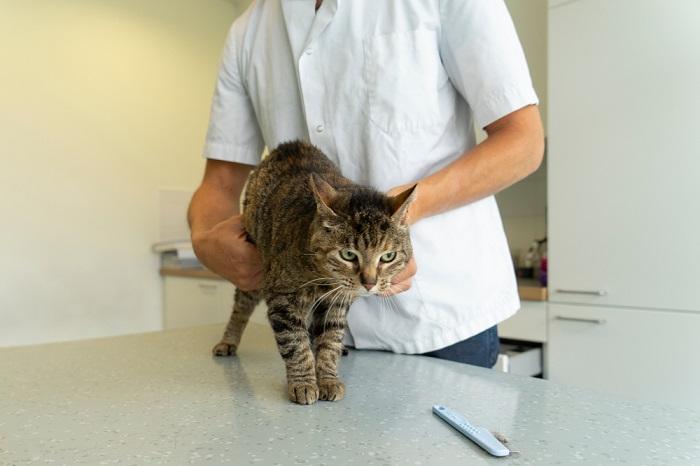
160 398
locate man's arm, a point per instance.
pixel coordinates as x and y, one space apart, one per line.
218 235
513 150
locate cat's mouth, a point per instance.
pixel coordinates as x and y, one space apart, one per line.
376 290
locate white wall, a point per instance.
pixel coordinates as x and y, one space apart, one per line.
530 19
101 104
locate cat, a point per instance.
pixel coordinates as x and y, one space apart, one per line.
324 241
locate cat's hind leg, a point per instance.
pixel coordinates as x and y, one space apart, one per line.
243 304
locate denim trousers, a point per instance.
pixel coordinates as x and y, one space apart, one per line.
479 350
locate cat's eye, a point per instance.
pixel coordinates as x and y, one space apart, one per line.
388 256
348 255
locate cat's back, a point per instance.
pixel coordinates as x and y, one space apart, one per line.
279 187
297 158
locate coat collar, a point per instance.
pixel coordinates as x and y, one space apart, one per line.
304 25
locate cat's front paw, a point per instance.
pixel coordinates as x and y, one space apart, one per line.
224 349
304 393
331 389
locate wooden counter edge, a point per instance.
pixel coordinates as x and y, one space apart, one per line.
532 293
189 273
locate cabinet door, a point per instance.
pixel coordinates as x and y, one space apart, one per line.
624 153
192 301
634 354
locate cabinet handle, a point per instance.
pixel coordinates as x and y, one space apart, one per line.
581 319
586 292
207 287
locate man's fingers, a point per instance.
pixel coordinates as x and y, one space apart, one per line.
397 288
406 274
401 287
246 253
250 281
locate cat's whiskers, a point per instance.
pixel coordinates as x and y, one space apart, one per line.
329 281
323 296
391 304
346 300
342 295
330 307
383 304
394 304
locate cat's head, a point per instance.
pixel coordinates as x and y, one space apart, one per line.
359 236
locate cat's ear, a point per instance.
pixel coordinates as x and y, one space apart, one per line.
400 204
324 194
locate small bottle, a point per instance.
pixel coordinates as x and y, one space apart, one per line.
530 260
542 275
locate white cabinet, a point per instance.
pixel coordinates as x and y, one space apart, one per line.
624 197
190 301
624 153
633 353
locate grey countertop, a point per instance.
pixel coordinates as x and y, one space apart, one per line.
161 398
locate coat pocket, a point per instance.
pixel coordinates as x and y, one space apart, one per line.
404 77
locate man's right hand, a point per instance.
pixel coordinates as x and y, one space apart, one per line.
225 251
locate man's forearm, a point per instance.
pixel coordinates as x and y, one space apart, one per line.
218 232
513 150
218 197
210 206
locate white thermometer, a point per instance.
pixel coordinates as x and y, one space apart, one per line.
478 435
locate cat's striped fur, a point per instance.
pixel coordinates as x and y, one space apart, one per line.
308 222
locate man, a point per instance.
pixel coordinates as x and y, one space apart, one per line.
390 91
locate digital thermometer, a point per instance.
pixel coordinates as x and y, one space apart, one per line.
478 435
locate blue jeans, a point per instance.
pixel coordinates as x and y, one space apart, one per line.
479 350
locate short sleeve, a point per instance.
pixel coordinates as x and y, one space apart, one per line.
484 59
233 134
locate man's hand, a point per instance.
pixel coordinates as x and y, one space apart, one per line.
218 235
226 252
514 149
402 281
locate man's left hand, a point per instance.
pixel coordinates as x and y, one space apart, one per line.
402 281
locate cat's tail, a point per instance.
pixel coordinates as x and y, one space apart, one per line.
244 303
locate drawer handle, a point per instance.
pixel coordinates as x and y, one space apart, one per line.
206 286
586 292
580 319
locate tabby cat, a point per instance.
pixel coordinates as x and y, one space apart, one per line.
324 242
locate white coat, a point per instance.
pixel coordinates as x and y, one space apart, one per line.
390 90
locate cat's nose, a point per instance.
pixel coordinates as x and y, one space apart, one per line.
369 286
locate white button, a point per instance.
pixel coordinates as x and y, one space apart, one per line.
320 128
309 51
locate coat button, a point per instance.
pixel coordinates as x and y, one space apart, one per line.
320 128
309 51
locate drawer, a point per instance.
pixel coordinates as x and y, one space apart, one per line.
519 360
528 324
635 354
190 301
